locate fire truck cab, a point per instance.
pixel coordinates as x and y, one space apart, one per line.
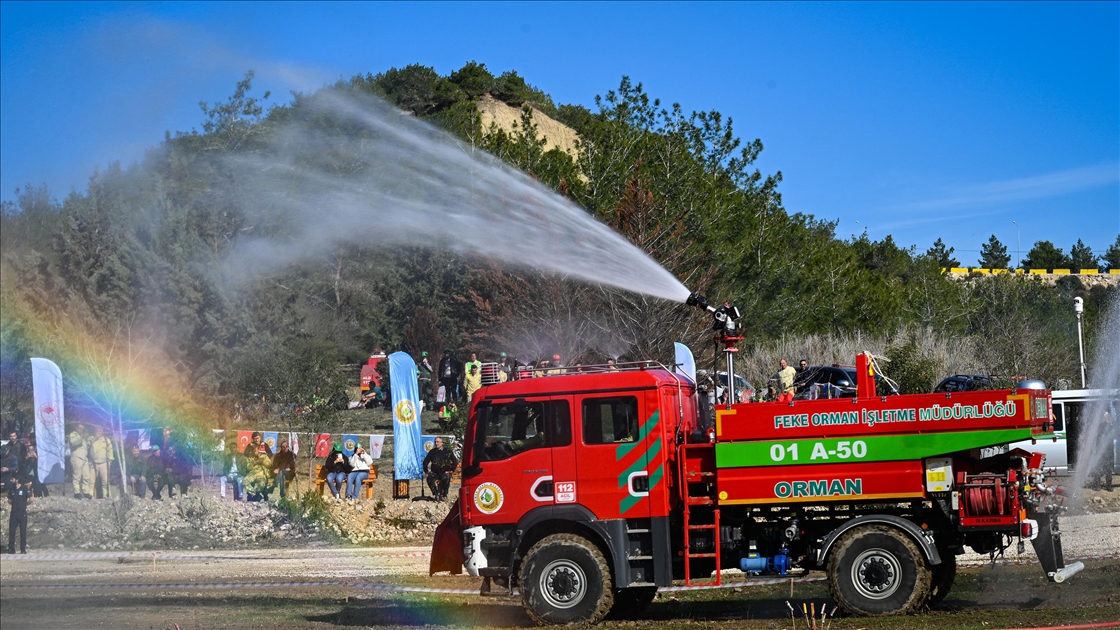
575 465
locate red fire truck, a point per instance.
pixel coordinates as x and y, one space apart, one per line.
588 490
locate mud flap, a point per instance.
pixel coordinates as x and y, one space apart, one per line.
1048 548
447 547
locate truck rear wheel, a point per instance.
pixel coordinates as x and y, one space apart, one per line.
944 575
878 570
565 579
630 603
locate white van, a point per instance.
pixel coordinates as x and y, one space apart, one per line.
1070 407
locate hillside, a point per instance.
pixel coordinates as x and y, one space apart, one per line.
140 256
556 135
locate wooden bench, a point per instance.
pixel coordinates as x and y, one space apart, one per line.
367 484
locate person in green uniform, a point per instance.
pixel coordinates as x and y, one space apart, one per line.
258 479
79 462
100 456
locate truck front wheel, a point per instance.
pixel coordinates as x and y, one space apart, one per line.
565 579
878 570
944 575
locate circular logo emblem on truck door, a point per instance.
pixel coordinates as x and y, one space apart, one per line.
488 498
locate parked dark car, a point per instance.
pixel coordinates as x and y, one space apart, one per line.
826 381
967 383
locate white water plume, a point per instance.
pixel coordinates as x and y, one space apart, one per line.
1096 443
353 170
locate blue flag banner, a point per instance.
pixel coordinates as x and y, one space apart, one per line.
270 439
349 444
50 436
408 449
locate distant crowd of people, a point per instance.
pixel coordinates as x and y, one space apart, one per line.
255 472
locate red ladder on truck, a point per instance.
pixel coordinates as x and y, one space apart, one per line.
698 472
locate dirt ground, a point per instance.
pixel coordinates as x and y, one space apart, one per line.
990 597
223 589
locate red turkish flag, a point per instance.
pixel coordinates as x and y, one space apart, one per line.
322 444
243 439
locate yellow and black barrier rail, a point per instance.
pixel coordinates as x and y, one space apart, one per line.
1032 272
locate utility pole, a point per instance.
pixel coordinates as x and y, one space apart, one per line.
1078 308
1018 246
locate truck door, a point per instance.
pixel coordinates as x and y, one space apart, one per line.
513 445
613 456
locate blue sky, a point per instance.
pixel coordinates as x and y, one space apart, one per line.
921 121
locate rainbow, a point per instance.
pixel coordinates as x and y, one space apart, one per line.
118 378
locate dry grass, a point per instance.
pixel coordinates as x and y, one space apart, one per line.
955 355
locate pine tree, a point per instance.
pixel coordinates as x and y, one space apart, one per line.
1082 257
993 254
1044 255
943 255
1111 258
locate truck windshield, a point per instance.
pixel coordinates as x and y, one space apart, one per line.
506 429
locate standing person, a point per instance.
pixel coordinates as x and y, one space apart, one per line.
12 457
137 470
233 471
424 372
31 468
611 367
284 468
19 495
472 382
79 462
473 361
505 368
785 376
447 377
802 366
337 469
100 456
557 365
164 439
360 462
438 466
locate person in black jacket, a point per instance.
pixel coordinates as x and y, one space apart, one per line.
31 473
12 456
284 467
439 463
19 495
448 374
178 471
137 470
337 469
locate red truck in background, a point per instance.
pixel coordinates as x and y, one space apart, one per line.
587 490
369 376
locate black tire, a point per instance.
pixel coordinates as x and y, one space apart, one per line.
944 575
630 603
878 570
565 579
